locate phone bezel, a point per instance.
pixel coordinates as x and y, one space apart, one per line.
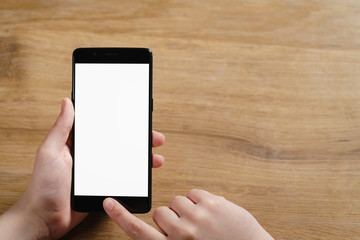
83 203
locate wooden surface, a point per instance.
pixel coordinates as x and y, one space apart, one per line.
259 101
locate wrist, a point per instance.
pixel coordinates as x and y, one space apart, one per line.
253 228
21 222
259 233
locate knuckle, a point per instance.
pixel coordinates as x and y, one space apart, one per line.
39 150
210 203
175 200
200 215
213 202
44 152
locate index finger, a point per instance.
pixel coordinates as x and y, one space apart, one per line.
131 225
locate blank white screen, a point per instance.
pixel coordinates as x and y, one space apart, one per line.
111 129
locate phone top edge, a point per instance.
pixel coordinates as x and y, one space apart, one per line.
112 48
112 55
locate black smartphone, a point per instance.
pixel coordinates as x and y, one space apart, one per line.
112 132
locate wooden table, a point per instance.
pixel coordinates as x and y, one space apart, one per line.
259 101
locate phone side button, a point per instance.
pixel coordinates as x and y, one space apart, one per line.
152 104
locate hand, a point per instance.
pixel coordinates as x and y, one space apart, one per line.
200 215
44 209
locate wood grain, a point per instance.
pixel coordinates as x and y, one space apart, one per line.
259 101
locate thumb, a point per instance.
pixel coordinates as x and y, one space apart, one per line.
58 135
131 225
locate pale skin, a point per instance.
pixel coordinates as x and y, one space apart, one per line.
44 211
199 215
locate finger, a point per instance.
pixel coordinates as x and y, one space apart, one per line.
196 195
59 134
131 225
157 139
165 218
182 205
157 160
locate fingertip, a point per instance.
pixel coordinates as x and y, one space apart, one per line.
66 102
158 160
113 208
134 227
157 138
162 136
108 204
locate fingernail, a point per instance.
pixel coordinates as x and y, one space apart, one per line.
109 204
62 105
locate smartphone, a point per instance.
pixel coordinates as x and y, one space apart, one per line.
112 131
